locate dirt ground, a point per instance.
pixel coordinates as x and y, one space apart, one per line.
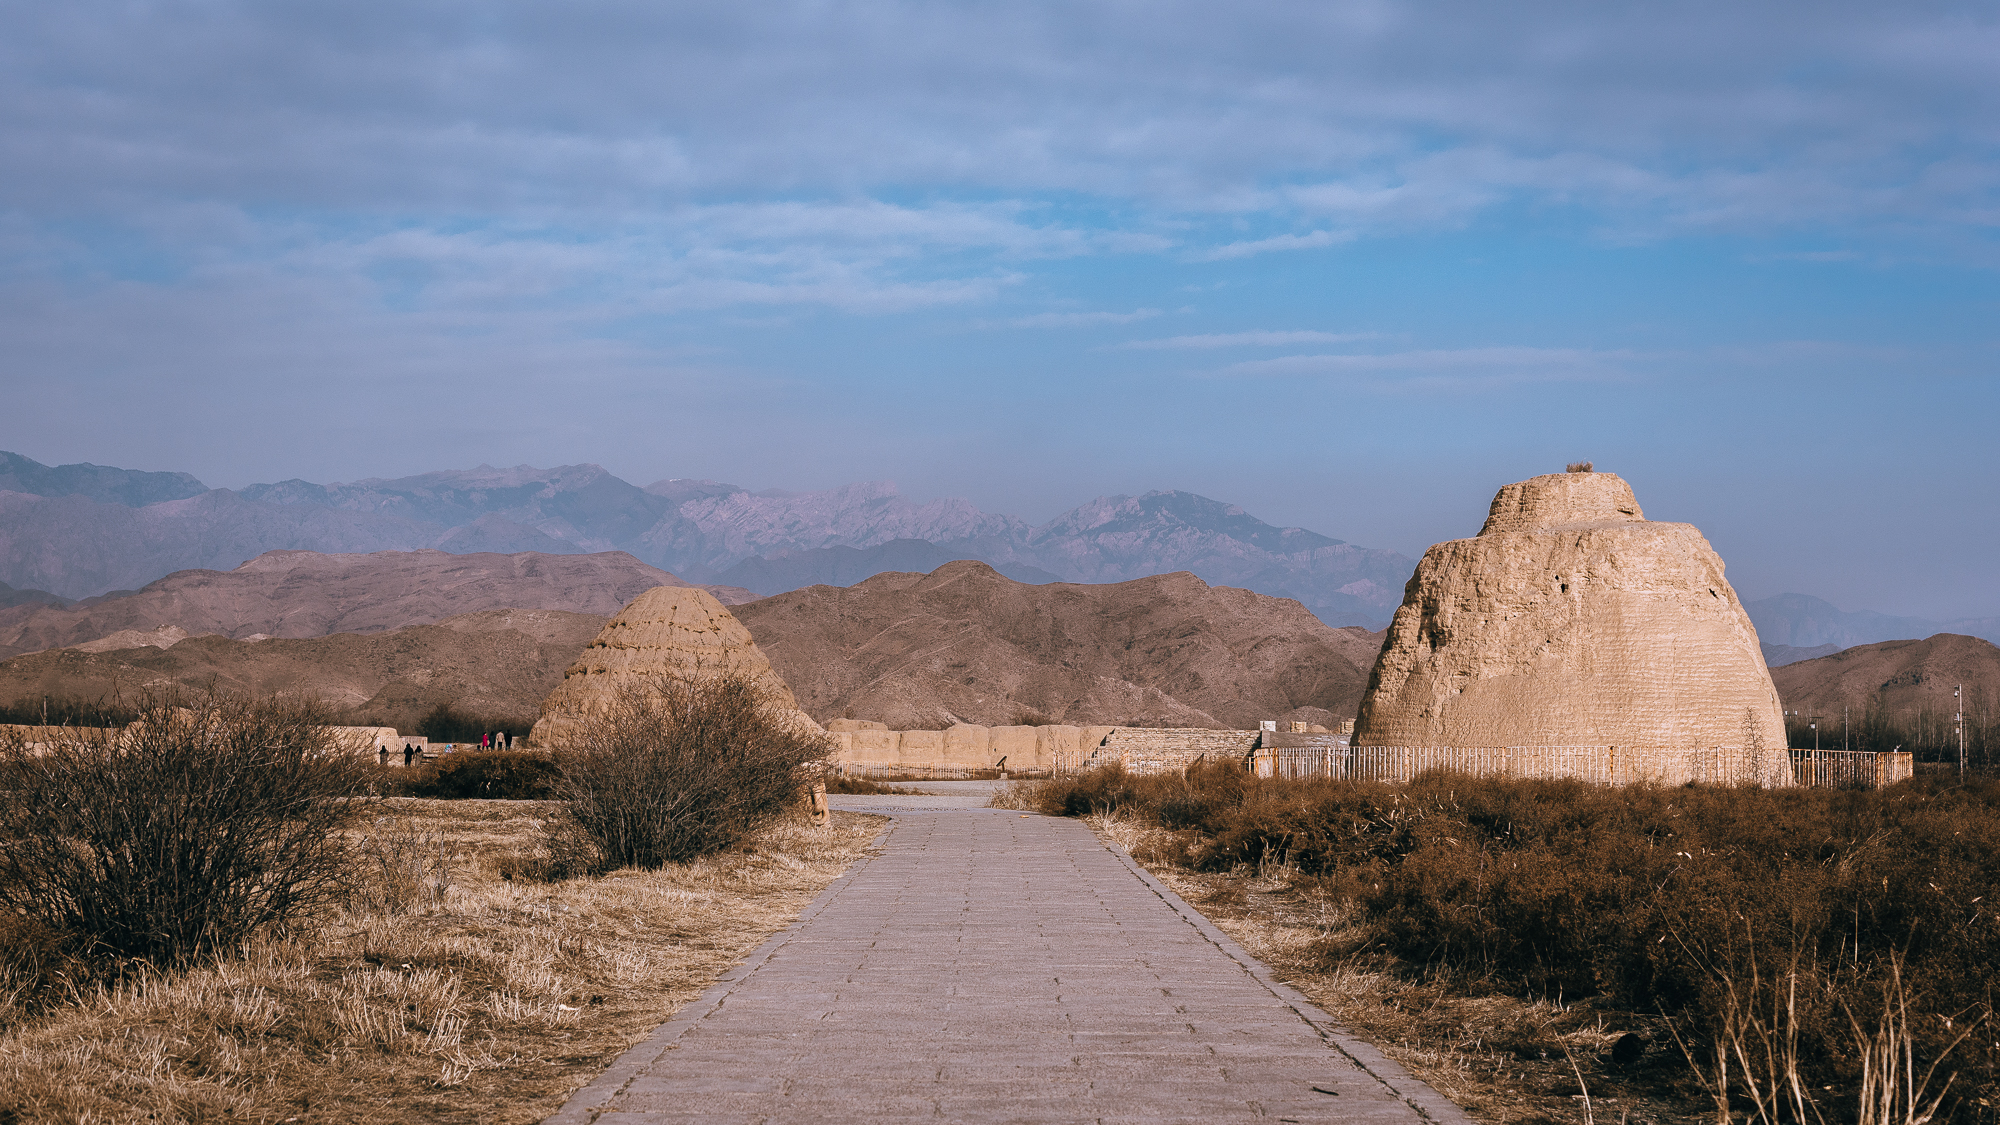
453 988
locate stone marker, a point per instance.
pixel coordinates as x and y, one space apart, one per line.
1571 620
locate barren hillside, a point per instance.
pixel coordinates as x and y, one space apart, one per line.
1908 676
298 594
966 644
497 662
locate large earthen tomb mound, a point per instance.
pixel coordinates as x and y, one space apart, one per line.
1591 641
678 632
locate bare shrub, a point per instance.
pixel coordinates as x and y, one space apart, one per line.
1675 902
179 834
506 775
399 863
672 769
1579 467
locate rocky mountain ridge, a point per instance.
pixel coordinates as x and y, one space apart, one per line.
78 531
916 651
1901 678
493 663
82 530
965 643
301 594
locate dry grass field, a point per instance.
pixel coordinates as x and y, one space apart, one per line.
1504 1058
453 986
1546 951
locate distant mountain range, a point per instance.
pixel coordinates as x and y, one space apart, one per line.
84 531
1800 621
81 531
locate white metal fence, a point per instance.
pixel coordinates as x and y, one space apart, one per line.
1602 765
1851 769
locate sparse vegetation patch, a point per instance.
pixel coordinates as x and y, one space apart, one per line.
1788 934
449 986
200 824
670 769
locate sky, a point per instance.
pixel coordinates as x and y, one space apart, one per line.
1350 265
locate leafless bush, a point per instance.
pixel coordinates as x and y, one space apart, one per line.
1580 467
179 834
1760 1062
399 864
672 769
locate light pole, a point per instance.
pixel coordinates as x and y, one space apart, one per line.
1958 705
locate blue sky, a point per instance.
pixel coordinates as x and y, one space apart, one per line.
1349 265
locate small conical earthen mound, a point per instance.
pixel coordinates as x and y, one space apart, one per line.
1572 621
676 631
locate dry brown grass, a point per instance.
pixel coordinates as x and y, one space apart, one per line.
452 989
1505 1059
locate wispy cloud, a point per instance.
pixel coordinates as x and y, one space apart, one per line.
1459 366
1082 319
1248 340
1817 257
1313 241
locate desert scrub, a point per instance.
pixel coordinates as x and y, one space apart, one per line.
202 823
1693 905
449 987
862 786
501 775
671 769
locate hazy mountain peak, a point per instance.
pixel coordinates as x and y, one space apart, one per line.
742 525
102 483
1166 512
682 489
1803 621
703 527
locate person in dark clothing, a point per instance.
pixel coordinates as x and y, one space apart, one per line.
409 752
382 754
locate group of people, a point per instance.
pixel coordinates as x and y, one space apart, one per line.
410 753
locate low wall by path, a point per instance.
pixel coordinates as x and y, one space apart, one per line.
865 747
872 748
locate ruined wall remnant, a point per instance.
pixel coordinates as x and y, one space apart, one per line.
1571 620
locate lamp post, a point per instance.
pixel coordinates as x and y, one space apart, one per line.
1958 706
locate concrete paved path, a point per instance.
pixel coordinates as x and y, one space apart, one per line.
991 967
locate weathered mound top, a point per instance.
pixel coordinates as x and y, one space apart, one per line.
1560 500
675 631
